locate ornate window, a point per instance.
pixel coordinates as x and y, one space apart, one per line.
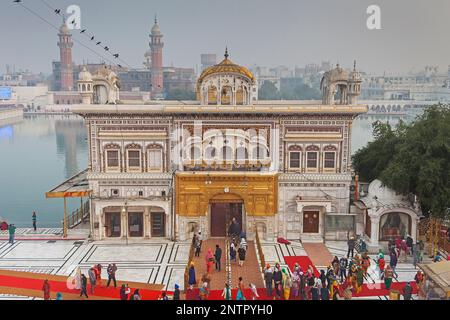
112 158
227 154
329 161
134 157
295 158
242 155
312 158
329 158
210 153
155 158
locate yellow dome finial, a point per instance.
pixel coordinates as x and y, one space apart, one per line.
226 53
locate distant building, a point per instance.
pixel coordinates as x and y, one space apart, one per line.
179 79
65 45
136 80
23 78
156 46
426 85
154 78
208 60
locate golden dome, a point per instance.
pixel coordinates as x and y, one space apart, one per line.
226 66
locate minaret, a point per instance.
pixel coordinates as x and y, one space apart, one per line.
65 45
156 46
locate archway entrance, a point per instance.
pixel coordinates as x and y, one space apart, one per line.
221 215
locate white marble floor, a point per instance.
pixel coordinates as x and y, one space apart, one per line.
153 261
157 262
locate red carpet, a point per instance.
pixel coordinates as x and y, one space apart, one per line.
375 290
304 263
61 286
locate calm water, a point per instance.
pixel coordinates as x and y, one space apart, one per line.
36 155
40 152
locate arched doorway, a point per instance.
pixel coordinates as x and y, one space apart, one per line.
223 209
394 224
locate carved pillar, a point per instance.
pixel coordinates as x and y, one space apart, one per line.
375 228
147 224
124 224
206 96
219 95
99 214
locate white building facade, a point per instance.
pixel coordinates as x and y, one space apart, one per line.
170 168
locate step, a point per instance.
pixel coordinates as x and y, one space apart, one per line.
306 238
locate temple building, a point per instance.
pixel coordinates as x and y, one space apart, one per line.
170 168
387 215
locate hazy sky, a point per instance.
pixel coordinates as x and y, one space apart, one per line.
266 32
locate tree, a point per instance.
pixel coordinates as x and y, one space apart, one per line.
179 94
268 91
300 92
412 159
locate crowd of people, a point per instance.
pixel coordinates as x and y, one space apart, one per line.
344 278
94 277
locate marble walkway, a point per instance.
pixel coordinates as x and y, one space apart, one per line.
154 262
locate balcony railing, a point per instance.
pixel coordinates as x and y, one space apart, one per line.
77 217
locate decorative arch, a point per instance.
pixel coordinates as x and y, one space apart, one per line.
312 148
295 148
226 95
330 148
111 146
212 94
134 146
395 222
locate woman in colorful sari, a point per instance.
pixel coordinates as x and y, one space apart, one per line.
210 260
241 288
46 290
296 283
347 289
310 281
204 292
287 284
226 294
388 274
353 278
77 278
359 279
334 290
365 263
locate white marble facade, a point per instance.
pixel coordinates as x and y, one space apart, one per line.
136 151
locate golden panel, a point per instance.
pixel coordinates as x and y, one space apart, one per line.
195 191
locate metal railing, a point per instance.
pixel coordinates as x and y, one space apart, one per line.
433 232
260 251
77 217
